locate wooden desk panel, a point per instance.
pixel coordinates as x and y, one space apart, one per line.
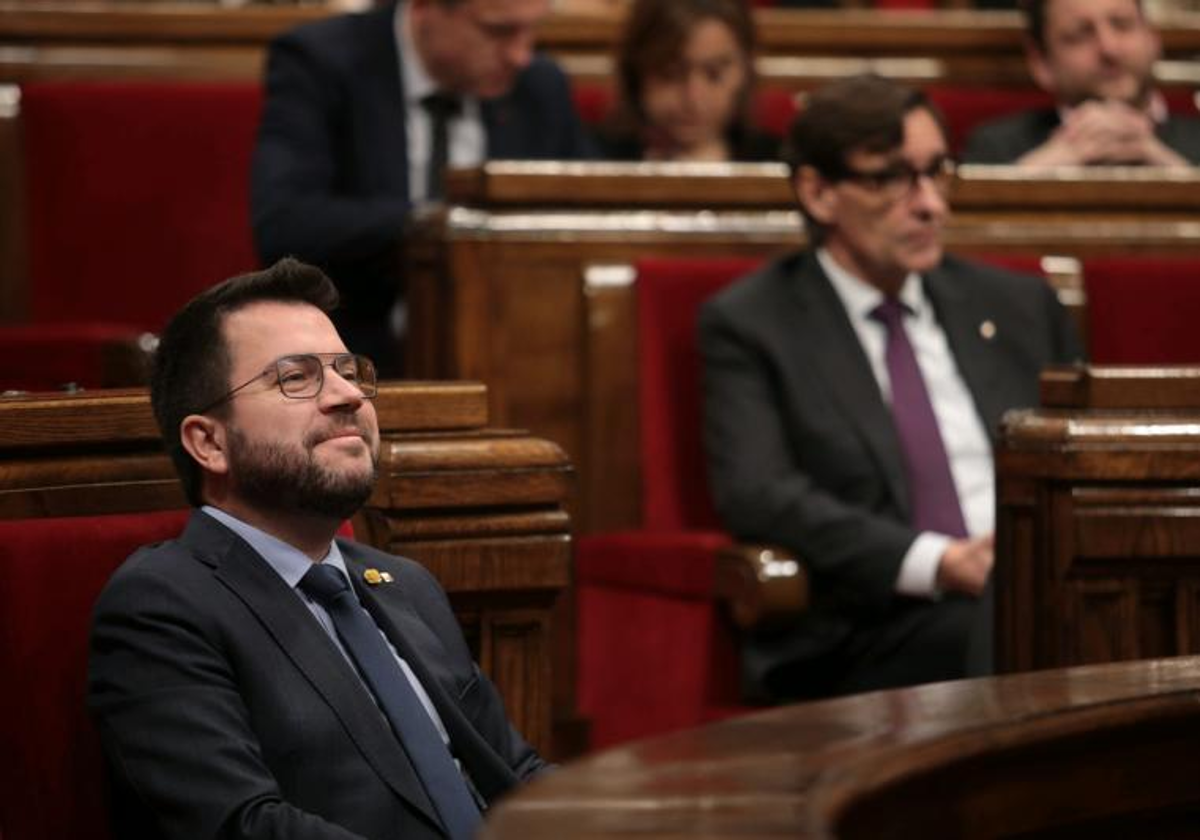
1098 520
481 507
1101 751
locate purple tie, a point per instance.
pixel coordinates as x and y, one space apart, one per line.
931 490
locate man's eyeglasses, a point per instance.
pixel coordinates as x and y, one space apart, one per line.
900 180
302 376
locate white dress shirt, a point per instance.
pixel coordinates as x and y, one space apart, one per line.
968 446
468 140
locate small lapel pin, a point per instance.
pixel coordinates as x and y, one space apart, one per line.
373 577
387 577
988 330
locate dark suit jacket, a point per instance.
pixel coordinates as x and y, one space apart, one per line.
1007 139
801 448
225 710
329 180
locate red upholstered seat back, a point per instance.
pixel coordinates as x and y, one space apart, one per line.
674 481
137 195
51 571
1143 310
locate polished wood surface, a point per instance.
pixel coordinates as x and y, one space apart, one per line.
1101 751
800 48
1098 519
482 508
523 281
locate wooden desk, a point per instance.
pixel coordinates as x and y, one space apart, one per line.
1101 751
1098 519
481 507
500 288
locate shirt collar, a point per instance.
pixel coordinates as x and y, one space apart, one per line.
289 562
860 297
1156 108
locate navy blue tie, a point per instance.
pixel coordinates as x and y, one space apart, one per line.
426 750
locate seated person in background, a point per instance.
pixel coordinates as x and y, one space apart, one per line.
363 112
850 394
257 677
1097 58
685 80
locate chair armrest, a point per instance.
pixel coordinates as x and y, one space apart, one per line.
763 586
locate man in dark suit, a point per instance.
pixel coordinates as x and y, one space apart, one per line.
257 677
814 370
349 140
1096 57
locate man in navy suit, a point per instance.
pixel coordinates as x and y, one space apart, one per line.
230 698
814 370
348 135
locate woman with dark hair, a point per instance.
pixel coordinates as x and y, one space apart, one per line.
685 76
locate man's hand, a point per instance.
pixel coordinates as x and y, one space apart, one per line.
1104 133
966 564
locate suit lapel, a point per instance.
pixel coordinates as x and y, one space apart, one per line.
963 317
294 629
425 654
825 335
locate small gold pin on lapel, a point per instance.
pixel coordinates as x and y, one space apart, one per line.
988 330
373 577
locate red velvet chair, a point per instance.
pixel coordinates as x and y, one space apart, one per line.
1143 310
137 197
655 646
51 571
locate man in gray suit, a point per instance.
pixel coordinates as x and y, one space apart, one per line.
862 440
1096 57
257 677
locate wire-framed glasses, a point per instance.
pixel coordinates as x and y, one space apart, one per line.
301 376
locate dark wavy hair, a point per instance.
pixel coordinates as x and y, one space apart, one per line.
1035 20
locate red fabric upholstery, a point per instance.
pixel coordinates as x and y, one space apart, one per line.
654 651
138 195
966 107
1142 310
51 571
43 357
669 293
654 654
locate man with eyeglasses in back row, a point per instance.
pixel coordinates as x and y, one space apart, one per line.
257 677
851 392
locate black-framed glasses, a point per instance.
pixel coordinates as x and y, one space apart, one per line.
302 376
900 180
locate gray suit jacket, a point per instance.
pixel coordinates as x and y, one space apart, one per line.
801 448
1007 139
225 710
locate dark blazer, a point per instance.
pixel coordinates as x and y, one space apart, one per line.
225 710
801 448
1007 139
329 181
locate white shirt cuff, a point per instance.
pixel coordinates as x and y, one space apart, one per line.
918 570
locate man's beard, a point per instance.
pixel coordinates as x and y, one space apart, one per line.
287 479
